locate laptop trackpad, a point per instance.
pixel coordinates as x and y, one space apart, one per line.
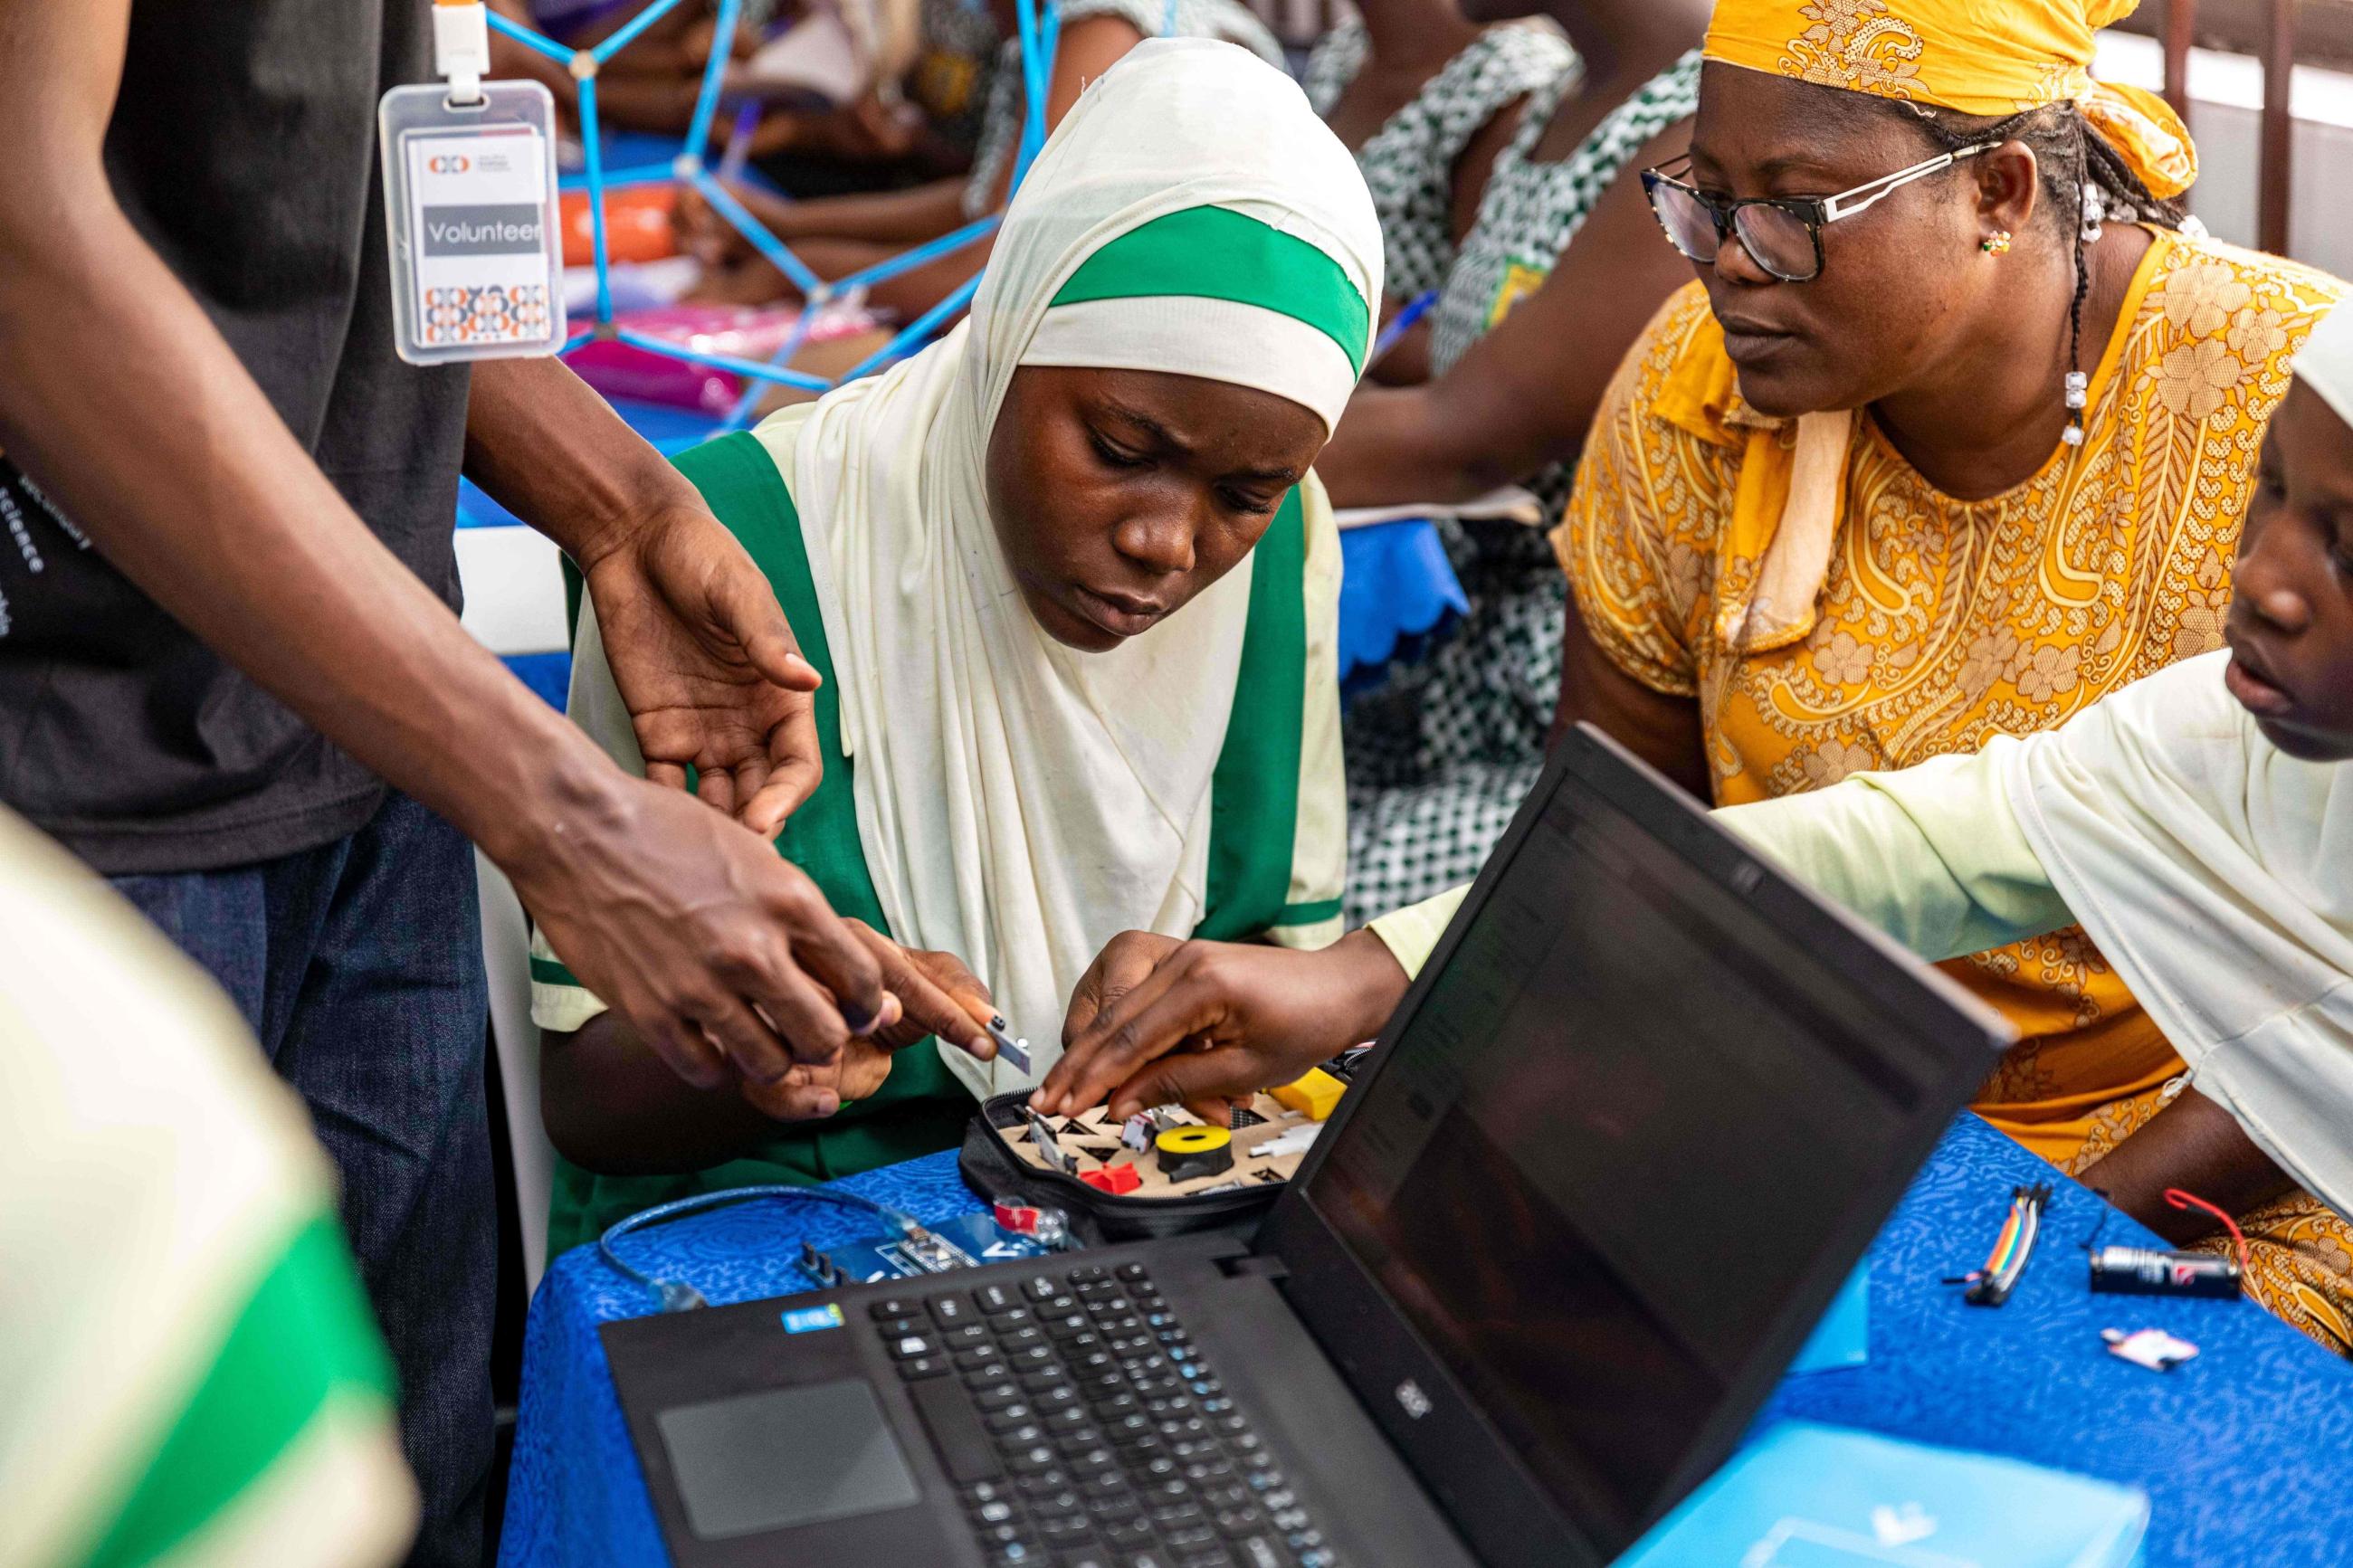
788 1456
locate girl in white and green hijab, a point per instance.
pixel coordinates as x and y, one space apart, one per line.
1074 593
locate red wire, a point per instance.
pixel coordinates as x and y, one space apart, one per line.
2182 1199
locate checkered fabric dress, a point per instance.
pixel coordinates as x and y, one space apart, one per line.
1441 753
1408 163
1000 130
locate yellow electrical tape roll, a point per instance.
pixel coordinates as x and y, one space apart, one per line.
1192 1139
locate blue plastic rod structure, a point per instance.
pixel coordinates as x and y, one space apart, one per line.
706 102
1040 25
590 143
627 33
528 40
931 250
1039 36
723 201
740 414
916 330
782 376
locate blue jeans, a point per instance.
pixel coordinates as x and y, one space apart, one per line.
359 965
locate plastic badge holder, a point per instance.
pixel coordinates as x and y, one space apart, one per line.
471 207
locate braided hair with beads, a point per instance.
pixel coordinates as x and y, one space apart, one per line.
2067 153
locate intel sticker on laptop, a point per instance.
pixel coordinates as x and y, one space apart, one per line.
809 1320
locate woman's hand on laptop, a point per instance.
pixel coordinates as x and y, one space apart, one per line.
1157 1021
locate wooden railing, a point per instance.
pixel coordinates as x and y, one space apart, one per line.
2277 48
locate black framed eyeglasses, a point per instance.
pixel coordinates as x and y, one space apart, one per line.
1782 234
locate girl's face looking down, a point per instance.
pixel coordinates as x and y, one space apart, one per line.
1118 495
2291 623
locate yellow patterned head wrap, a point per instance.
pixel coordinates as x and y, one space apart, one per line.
1973 57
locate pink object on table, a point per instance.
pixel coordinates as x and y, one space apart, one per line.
741 332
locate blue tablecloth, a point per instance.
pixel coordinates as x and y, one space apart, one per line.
2246 1453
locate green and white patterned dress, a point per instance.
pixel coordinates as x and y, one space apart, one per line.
1441 755
1408 163
1000 130
952 79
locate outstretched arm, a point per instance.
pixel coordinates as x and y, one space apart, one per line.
702 653
1931 854
174 461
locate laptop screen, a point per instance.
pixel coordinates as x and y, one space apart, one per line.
1614 1136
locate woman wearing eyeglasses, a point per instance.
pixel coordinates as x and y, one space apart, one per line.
1952 435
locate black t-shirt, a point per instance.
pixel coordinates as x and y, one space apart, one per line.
244 149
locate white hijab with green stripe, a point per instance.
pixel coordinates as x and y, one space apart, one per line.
1020 802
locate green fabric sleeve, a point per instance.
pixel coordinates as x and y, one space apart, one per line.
1931 854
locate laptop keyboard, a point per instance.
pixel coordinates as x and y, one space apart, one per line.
1083 1430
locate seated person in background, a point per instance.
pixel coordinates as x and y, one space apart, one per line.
838 236
919 121
1074 593
1549 288
876 140
1426 99
188 1370
2198 824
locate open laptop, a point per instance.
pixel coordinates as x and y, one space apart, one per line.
1635 1123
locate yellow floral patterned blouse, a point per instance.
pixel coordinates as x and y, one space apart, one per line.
1942 623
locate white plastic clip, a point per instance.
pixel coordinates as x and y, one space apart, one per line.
461 46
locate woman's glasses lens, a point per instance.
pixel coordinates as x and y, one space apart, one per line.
1689 225
1780 241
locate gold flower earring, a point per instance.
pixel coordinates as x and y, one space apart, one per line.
1996 244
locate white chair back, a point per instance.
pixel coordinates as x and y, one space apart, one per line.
506 955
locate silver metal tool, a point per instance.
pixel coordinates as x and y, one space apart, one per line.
1009 1049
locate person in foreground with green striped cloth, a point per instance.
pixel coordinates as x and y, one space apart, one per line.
1073 592
188 1371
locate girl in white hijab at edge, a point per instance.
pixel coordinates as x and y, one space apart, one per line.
1074 591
